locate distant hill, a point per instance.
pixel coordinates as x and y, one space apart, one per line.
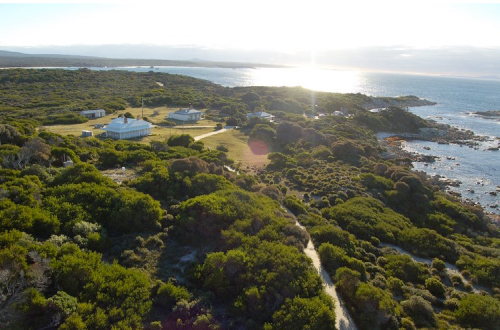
16 59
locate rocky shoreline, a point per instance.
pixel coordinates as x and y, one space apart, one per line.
492 114
394 145
400 101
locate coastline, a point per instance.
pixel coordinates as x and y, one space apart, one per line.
396 148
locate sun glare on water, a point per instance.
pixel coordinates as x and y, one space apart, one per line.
324 80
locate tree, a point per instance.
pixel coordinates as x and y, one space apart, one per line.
263 132
182 140
34 150
121 294
169 294
479 311
303 314
9 134
435 286
277 160
332 257
420 310
287 132
375 305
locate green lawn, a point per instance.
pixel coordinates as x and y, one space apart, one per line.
157 133
239 149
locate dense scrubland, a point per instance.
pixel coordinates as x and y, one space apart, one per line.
185 243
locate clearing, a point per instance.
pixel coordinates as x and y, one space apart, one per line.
248 156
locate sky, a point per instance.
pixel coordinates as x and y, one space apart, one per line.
322 31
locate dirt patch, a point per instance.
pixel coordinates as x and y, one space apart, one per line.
118 175
255 156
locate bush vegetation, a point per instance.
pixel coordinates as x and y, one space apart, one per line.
186 244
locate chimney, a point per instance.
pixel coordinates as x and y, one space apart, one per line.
138 117
125 120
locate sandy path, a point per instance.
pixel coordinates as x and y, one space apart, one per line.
343 320
226 128
452 270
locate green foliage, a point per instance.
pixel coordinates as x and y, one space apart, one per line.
111 158
277 272
10 134
190 166
395 285
193 315
204 184
80 173
404 268
263 132
182 140
439 265
400 120
119 211
25 218
332 257
374 306
428 243
205 216
420 310
155 183
169 294
479 311
121 294
303 314
435 286
366 217
348 151
63 303
277 160
64 118
464 217
61 154
348 281
485 270
288 132
294 205
333 235
373 181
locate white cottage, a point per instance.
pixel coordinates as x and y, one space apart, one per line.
185 115
127 128
98 113
261 115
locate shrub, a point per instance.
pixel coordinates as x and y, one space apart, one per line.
435 286
182 140
479 311
169 294
303 313
420 310
438 264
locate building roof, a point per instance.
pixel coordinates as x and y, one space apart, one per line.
189 111
261 114
119 125
92 111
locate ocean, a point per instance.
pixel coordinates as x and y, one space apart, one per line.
478 169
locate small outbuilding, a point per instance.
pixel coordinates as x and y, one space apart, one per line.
185 115
127 128
98 113
261 115
87 133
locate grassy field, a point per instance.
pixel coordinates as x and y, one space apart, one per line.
158 133
248 156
